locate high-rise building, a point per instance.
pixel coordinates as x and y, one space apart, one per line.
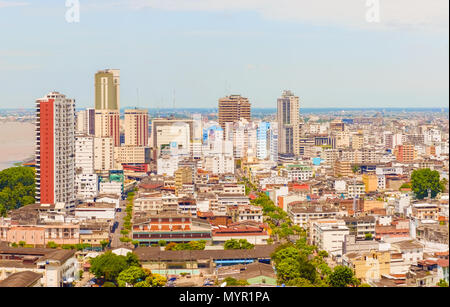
107 89
107 124
84 154
136 127
86 122
103 154
288 116
107 104
233 108
55 150
405 153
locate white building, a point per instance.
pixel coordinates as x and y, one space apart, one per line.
219 164
86 186
103 153
84 154
55 150
111 187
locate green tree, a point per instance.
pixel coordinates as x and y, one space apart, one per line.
162 242
132 260
342 276
423 180
108 265
104 243
22 243
234 282
131 276
109 284
442 283
17 187
52 244
368 236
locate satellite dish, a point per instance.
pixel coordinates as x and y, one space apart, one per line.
223 285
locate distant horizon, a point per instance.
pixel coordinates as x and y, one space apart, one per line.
194 52
259 108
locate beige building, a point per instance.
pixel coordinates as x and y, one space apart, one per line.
103 153
107 124
233 108
131 155
370 265
370 182
136 127
357 141
288 117
107 89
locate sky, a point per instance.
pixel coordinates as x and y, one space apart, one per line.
196 51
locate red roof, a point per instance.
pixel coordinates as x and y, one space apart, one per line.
442 263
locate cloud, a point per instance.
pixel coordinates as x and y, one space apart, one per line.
4 4
411 14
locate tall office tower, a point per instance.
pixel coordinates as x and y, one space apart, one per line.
107 124
107 104
273 139
263 140
55 150
107 89
233 108
196 144
288 117
136 127
86 122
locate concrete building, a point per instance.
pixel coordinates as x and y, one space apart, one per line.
85 121
55 150
288 117
233 108
136 127
107 124
84 154
103 153
107 90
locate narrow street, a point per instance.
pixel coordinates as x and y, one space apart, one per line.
115 236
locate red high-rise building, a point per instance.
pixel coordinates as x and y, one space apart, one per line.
55 150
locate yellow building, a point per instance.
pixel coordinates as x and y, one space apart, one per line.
368 265
183 175
370 182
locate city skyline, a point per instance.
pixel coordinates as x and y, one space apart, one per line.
228 48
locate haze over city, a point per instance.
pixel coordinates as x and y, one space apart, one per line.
326 52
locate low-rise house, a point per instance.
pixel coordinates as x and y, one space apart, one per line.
301 213
368 266
96 211
411 251
200 261
170 228
360 226
24 279
59 267
424 274
256 273
254 233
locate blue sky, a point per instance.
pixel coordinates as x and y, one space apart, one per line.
205 49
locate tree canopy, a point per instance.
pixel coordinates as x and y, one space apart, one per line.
17 187
235 244
110 265
424 179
